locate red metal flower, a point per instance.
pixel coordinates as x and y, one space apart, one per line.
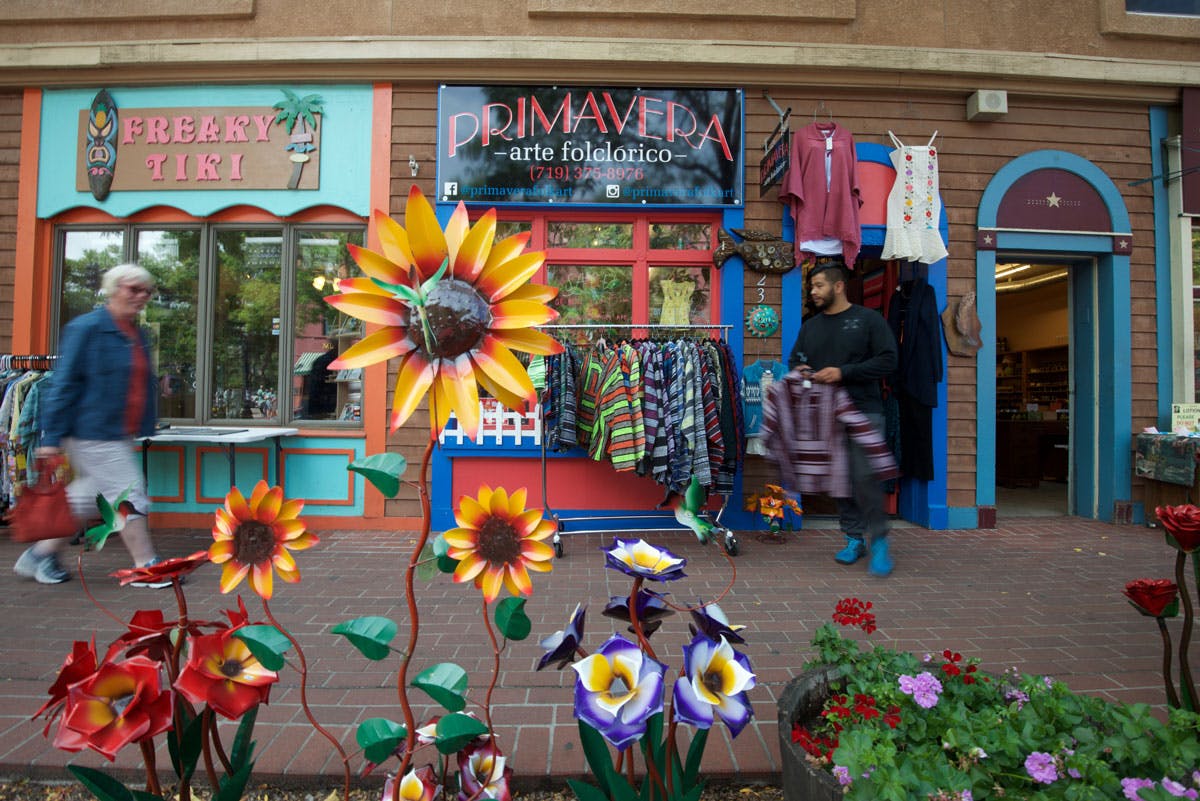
222 673
168 569
1183 524
1153 597
121 703
78 665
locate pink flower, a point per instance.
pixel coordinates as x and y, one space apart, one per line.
1041 767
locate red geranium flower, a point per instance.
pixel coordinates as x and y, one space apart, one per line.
853 612
1153 597
892 718
121 703
1183 524
223 673
168 569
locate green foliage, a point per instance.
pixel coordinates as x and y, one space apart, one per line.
184 747
370 635
979 734
383 470
455 731
379 738
101 785
267 643
685 783
512 620
445 683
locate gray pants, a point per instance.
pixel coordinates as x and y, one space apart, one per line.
862 513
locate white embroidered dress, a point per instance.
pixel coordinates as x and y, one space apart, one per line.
914 205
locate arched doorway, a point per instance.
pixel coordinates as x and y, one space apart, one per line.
1059 207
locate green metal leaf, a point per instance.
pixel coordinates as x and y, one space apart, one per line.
586 792
691 769
441 549
455 731
370 635
379 738
232 787
383 470
512 620
427 568
100 784
243 746
432 281
266 642
446 683
595 750
621 789
184 746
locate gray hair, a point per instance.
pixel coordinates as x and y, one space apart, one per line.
124 274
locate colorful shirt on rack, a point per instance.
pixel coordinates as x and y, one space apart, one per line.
805 428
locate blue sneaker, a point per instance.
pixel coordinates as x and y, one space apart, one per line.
881 562
855 549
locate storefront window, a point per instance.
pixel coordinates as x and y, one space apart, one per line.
681 236
321 332
589 235
173 257
679 295
244 375
224 297
589 294
86 255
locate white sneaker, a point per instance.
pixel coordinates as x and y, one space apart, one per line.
154 585
27 564
49 571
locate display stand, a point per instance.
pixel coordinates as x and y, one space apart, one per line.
638 521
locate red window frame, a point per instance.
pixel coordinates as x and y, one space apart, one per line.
640 255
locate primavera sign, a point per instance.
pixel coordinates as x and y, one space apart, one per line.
615 146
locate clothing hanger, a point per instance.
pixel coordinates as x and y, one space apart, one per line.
821 107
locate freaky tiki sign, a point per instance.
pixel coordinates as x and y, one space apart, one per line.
512 144
208 148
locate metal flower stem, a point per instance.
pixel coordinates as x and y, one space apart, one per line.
644 644
152 785
410 596
1187 686
1172 696
304 700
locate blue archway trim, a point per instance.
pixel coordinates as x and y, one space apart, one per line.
1163 305
1108 319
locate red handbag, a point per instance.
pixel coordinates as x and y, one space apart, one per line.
42 511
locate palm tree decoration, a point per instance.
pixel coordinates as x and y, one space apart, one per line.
303 110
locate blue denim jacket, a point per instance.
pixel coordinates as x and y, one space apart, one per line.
85 397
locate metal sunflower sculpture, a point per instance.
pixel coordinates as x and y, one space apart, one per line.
454 305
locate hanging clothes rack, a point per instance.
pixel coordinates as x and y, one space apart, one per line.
27 361
728 540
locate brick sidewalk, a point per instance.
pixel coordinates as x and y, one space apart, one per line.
1043 595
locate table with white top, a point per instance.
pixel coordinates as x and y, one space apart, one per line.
227 437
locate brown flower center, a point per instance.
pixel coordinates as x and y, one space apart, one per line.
458 318
231 668
253 542
712 682
499 542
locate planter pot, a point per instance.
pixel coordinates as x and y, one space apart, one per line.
802 700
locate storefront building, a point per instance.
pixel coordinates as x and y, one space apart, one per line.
246 160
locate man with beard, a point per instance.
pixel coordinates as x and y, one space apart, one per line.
844 343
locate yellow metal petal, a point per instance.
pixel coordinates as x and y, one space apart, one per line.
493 580
372 308
510 314
302 542
472 255
528 340
496 282
414 379
456 231
439 407
512 401
256 496
498 503
458 383
376 265
470 514
359 284
508 249
535 292
232 575
424 234
393 239
377 347
262 578
500 365
462 538
470 567
516 501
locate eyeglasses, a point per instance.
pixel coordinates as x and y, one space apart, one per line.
138 290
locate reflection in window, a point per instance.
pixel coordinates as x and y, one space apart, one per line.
507 228
173 257
593 294
589 235
679 295
245 367
321 332
680 236
1189 8
87 255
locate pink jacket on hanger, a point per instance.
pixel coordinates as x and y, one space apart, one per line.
819 212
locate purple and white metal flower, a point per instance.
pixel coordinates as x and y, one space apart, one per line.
715 681
617 690
640 559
